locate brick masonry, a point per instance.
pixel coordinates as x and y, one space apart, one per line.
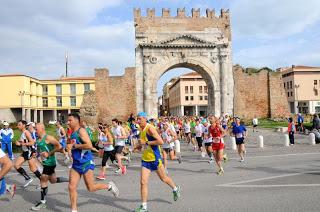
258 94
115 97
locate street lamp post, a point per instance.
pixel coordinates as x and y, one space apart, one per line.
21 94
296 86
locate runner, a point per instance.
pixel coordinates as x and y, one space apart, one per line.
108 151
199 137
168 136
6 136
62 136
240 132
26 142
187 131
119 137
217 132
151 161
207 139
6 165
83 162
47 146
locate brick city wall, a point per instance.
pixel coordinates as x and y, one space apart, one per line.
259 94
115 97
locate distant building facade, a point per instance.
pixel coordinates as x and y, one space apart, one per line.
25 97
302 86
188 95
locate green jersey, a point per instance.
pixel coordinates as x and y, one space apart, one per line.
193 126
44 147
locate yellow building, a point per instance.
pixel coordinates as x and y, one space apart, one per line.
24 97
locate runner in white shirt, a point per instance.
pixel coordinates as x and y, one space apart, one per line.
199 137
187 131
119 136
207 140
6 165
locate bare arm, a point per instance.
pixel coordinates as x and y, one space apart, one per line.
6 166
55 143
223 132
110 139
158 140
86 140
30 139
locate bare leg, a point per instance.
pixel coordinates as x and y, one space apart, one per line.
74 179
145 174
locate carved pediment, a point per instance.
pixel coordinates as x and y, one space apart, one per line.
185 41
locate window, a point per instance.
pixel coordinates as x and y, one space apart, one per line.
290 84
86 87
284 85
200 89
316 92
187 98
291 93
191 89
73 101
45 90
315 82
186 89
205 89
200 98
59 101
58 89
73 89
191 98
205 97
44 101
288 94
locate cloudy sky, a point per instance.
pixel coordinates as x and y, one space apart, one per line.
34 35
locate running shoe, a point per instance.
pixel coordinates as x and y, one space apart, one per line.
11 189
203 154
220 172
28 182
118 171
113 189
140 209
176 194
225 158
241 160
211 160
101 177
179 159
40 205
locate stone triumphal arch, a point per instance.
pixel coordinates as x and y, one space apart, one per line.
202 44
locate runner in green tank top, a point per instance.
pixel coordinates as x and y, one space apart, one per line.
47 146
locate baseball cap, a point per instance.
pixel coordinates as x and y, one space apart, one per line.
31 123
142 114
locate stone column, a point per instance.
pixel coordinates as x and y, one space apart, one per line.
41 116
69 111
28 115
197 113
224 82
296 109
182 110
23 113
35 116
55 116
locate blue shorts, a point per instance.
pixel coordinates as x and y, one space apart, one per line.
63 143
152 166
3 187
83 168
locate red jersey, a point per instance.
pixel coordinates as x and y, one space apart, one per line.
215 131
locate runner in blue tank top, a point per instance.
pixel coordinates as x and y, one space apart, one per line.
83 162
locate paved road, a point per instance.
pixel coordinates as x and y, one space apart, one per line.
275 178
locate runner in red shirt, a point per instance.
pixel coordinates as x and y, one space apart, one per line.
217 132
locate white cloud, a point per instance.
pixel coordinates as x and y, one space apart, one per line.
270 19
36 37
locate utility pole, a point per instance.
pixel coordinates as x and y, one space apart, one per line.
66 63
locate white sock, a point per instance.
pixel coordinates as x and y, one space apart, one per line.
175 188
144 205
74 211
